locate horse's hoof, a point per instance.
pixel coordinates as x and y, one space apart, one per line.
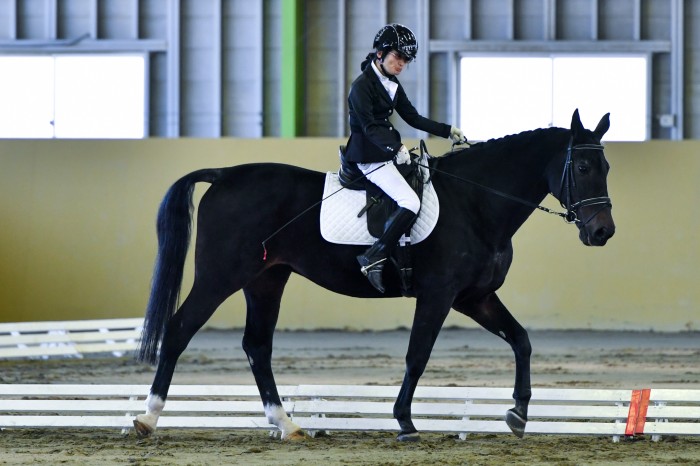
142 430
409 437
516 423
295 436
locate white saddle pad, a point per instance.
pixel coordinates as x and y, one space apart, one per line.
340 224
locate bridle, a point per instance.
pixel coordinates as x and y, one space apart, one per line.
568 183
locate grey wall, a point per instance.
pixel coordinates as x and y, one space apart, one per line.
215 64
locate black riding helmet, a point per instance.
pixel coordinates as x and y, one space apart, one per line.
396 37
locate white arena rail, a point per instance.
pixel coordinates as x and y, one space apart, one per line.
69 338
457 410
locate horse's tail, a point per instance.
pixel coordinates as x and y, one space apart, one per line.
174 226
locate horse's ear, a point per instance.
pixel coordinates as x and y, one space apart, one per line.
603 126
576 126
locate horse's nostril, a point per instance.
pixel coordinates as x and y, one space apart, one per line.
603 233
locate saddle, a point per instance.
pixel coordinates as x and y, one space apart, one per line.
379 207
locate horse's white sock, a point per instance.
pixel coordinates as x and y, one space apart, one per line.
276 415
154 407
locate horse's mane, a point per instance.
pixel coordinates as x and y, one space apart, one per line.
500 144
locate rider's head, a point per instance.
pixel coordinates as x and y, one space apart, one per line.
394 47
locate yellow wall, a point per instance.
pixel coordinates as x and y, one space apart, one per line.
78 240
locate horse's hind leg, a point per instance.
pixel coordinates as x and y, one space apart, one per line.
491 314
263 297
200 304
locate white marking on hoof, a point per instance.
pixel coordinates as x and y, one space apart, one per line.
295 436
145 424
277 416
142 429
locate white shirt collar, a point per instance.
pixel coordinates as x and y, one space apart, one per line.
379 74
388 84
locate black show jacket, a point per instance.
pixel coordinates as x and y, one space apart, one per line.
372 136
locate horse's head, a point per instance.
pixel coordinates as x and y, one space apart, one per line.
580 182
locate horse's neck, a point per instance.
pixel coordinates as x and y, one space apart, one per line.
517 170
512 167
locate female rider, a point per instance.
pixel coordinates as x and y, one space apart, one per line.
375 145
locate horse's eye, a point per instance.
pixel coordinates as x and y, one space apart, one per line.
582 169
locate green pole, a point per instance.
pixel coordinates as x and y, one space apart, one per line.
292 72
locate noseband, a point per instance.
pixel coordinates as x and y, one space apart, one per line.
568 183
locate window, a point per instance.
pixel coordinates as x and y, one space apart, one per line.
72 96
26 93
506 95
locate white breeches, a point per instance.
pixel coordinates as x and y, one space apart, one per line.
387 177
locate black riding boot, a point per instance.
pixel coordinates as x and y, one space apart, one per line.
373 259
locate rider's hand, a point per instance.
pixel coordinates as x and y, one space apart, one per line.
457 135
402 156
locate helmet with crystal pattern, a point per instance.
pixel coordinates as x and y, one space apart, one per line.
396 37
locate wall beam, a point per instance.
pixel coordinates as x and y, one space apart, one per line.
677 73
292 78
173 70
342 68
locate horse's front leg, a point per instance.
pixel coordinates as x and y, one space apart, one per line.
491 314
427 321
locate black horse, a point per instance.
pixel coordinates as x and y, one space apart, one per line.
486 192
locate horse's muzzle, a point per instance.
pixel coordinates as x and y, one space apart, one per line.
598 231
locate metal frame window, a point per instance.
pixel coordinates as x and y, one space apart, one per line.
73 96
501 95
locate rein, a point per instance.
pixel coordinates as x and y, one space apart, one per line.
497 192
567 181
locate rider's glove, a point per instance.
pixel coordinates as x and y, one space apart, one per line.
457 135
402 156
